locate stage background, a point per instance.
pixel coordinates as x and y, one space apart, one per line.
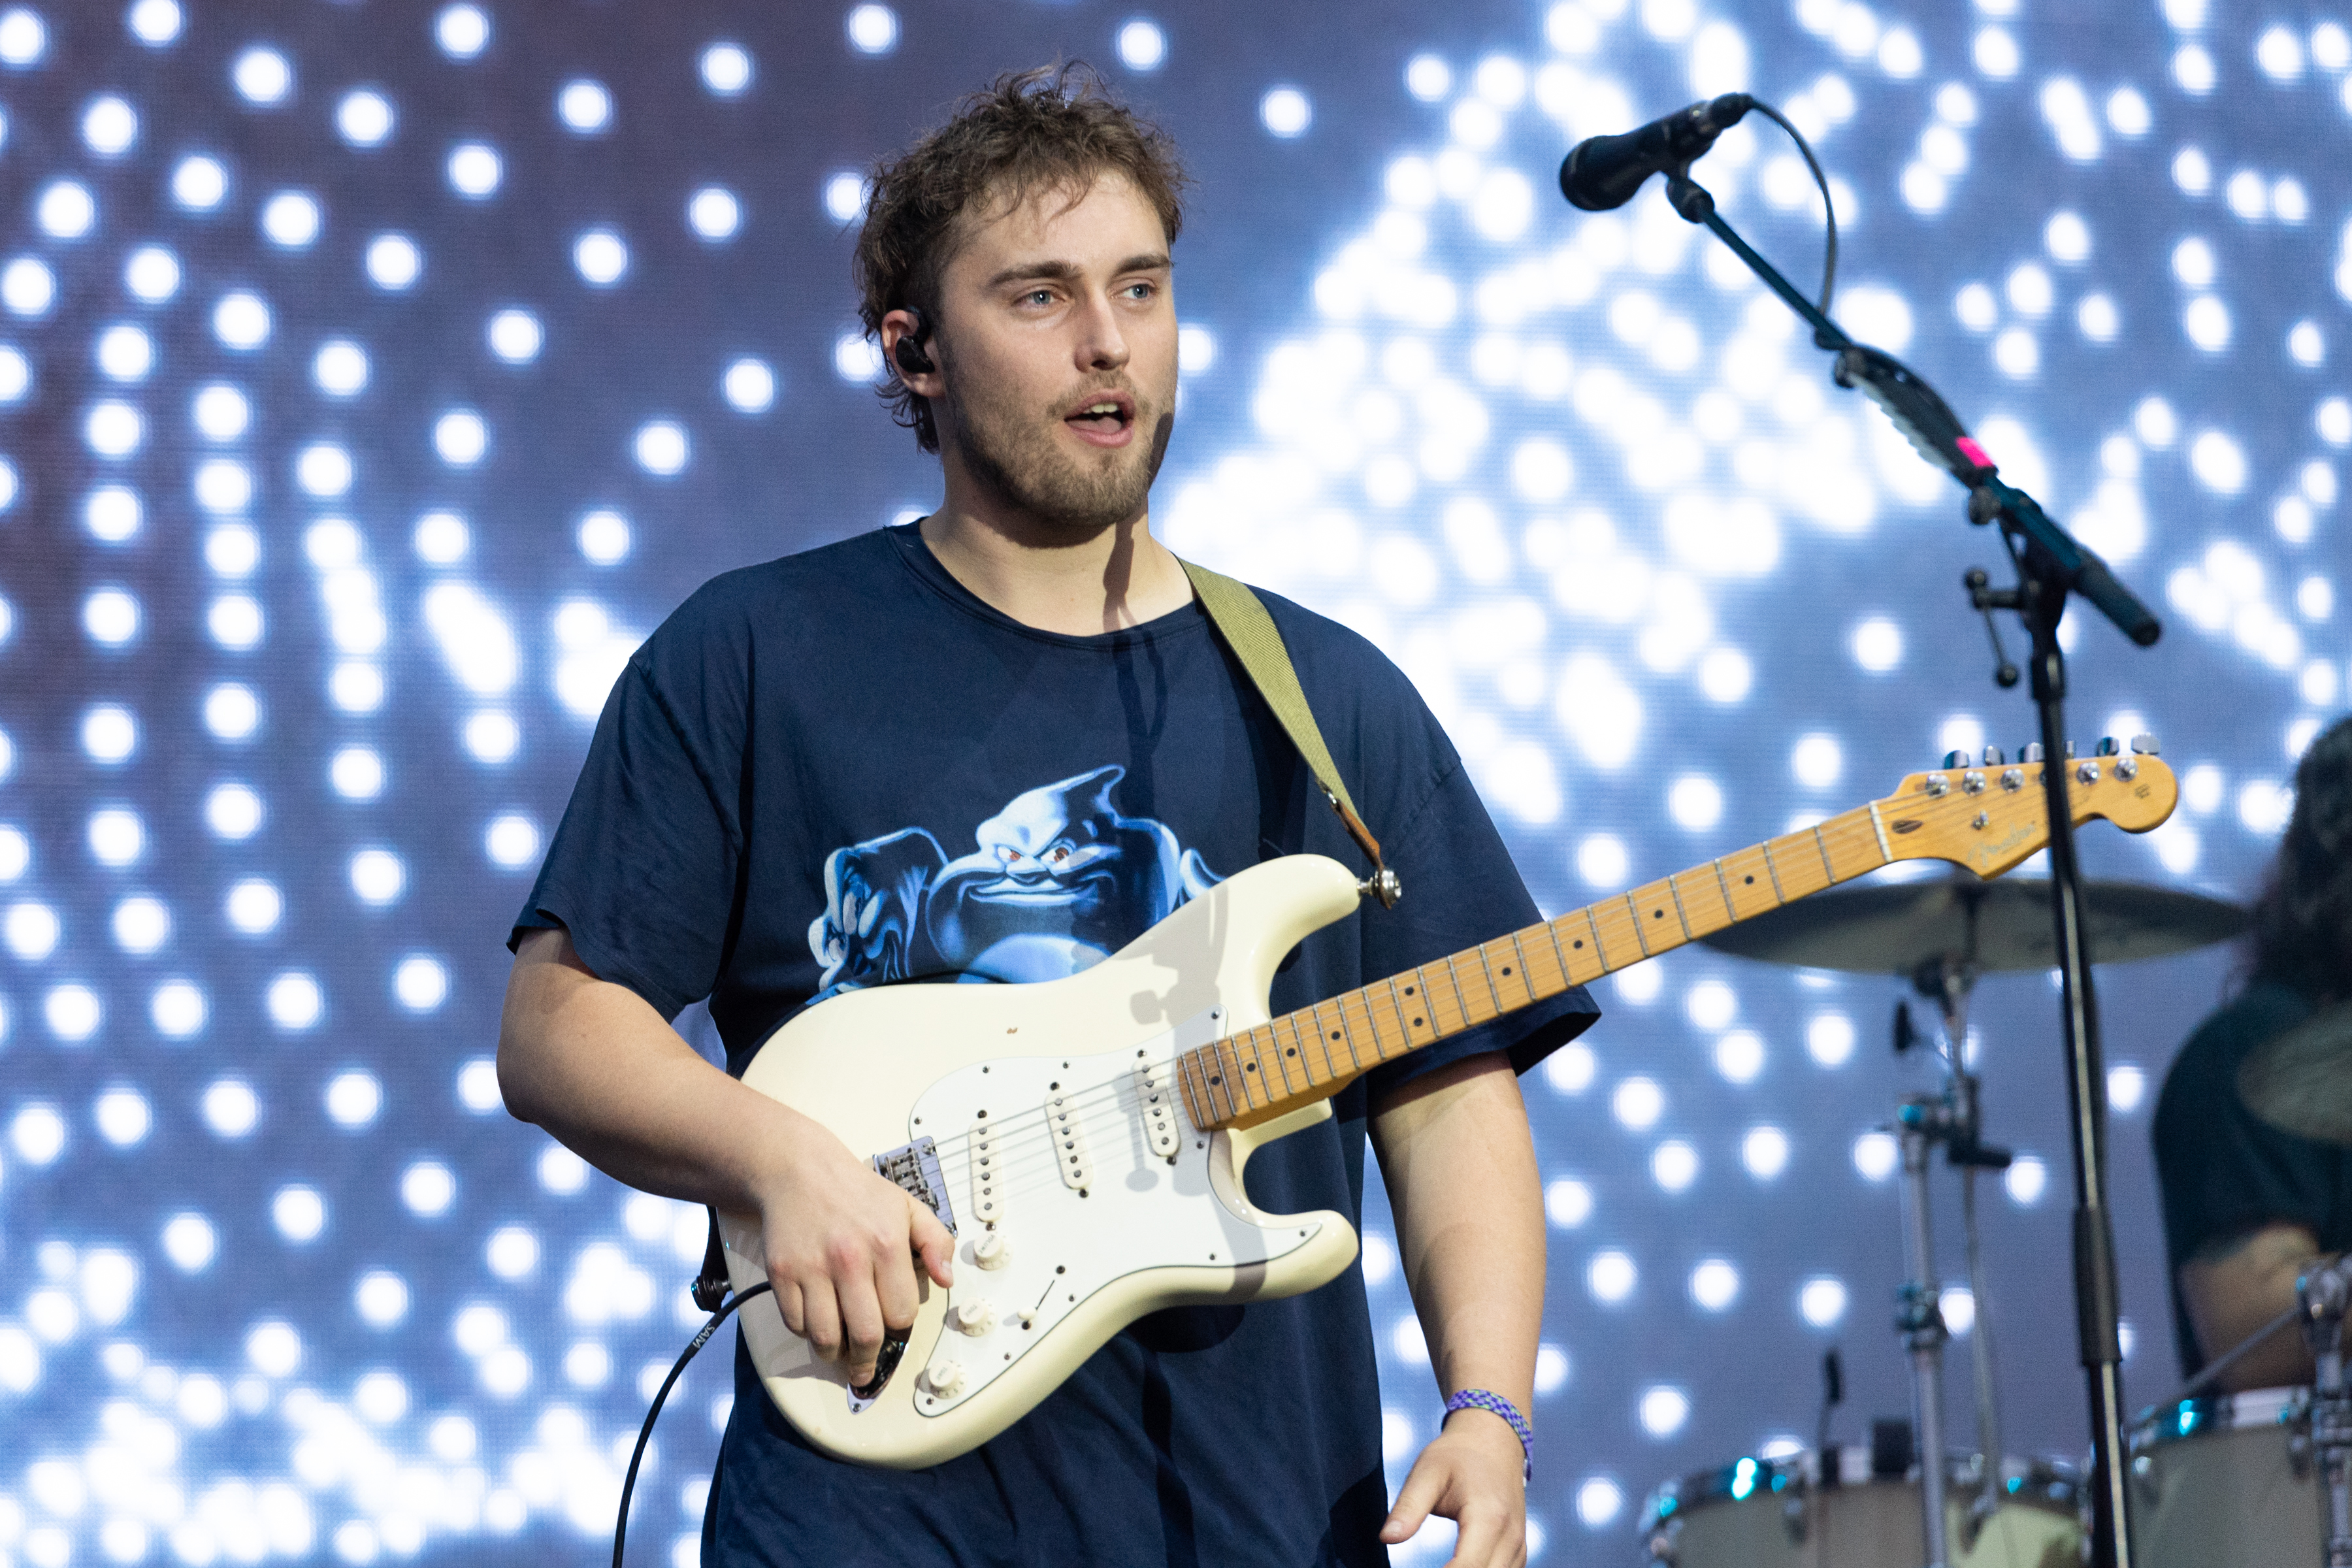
373 375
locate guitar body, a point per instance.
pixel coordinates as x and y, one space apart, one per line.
1057 1137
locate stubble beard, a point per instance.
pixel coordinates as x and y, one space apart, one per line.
1069 497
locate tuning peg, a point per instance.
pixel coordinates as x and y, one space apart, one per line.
2070 750
2145 744
2030 752
1956 759
1993 758
2107 747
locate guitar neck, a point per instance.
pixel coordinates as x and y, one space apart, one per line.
1312 1054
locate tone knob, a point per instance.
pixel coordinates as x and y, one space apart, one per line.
944 1378
992 1250
975 1318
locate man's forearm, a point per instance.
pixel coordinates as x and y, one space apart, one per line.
593 1063
1460 1168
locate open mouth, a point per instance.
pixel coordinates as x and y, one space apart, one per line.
1105 416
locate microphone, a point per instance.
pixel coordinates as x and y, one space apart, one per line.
1603 172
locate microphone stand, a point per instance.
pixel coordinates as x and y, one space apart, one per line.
2050 564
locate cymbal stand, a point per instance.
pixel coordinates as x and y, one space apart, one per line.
2324 1294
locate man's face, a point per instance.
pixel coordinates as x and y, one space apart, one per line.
1057 347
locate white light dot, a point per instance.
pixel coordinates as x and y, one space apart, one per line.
1725 675
2193 68
474 170
241 322
2098 317
1877 645
512 1252
2025 1179
220 413
478 1086
2305 343
2128 113
1694 801
232 711
377 876
124 1117
750 384
1285 112
294 1001
299 1212
72 1013
461 437
233 811
871 30
189 1242
564 1173
290 219
1740 1055
65 209
116 835
420 983
1765 1153
111 617
1599 1501
1875 1156
394 262
381 1298
584 106
253 906
1674 1165
108 733
1663 1410
323 469
1830 1038
726 70
2126 1087
1821 1301
141 924
27 287
2219 462
462 31
15 373
37 1133
2206 321
492 736
845 195
1428 78
340 368
427 1188
661 446
231 1109
178 1009
353 1097
364 117
1817 760
856 357
1602 860
714 212
1142 46
1637 1103
31 930
1568 1203
109 126
600 255
515 336
155 22
511 841
263 77
1611 1276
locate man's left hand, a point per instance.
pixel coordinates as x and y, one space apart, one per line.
1474 1474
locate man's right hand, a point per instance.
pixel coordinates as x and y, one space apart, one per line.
842 1244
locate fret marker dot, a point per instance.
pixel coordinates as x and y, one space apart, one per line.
1579 944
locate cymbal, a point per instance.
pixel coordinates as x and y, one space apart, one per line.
2301 1081
2002 925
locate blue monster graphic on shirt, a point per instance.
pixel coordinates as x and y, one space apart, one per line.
1058 881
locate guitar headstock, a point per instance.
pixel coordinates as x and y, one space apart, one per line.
1986 813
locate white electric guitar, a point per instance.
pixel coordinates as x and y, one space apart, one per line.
1084 1139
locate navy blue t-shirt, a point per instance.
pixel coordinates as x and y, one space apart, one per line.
844 769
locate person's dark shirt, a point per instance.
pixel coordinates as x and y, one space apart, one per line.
843 769
2224 1173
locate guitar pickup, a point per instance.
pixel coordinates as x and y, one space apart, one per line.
1070 1133
916 1167
987 1173
1156 1095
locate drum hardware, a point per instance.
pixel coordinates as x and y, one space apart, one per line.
2323 1292
2301 1082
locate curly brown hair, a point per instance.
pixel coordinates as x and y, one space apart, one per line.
1053 126
2302 922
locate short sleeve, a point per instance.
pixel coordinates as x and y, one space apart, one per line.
642 870
1461 889
2223 1171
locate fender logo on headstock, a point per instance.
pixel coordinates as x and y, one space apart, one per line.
1909 825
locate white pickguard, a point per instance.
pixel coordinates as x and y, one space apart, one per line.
1127 1232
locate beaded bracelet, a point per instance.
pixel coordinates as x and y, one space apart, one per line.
1495 1405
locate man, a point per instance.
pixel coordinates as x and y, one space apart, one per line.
2246 1205
996 746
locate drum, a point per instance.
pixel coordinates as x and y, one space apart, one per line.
1774 1514
2226 1482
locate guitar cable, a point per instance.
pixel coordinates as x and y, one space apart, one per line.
710 1294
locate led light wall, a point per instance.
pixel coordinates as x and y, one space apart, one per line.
373 375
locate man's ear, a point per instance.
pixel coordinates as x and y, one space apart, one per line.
904 334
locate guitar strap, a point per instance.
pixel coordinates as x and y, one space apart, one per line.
1240 619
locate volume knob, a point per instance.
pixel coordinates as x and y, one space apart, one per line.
944 1378
975 1318
992 1250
